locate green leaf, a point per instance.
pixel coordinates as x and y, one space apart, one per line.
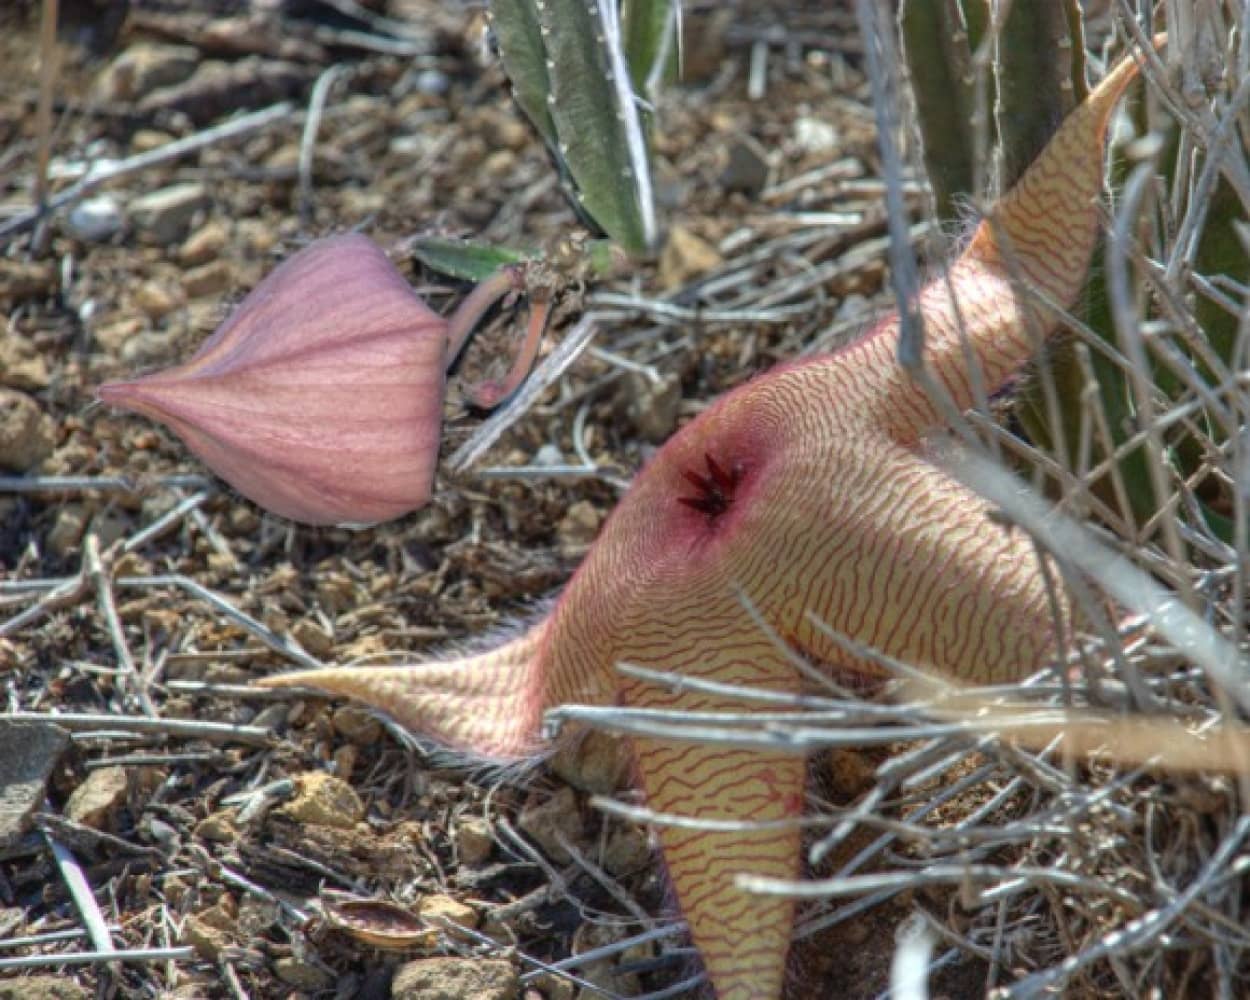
463 260
600 135
524 56
648 26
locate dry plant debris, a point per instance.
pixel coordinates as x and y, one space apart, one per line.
138 600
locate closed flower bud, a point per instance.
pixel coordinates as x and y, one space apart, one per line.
320 398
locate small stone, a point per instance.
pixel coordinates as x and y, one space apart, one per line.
302 975
747 169
67 530
685 256
145 66
26 434
203 245
96 220
851 773
212 278
498 163
285 157
313 638
156 299
555 820
109 526
627 851
356 724
145 348
42 988
99 798
111 337
20 369
325 800
447 909
344 759
218 828
433 82
607 973
578 527
163 216
257 235
28 753
147 139
597 763
456 979
210 930
26 279
257 916
511 133
175 890
653 408
549 987
815 135
474 840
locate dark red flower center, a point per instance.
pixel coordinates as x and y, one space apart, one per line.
714 490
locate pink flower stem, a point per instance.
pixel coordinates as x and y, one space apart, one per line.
460 324
491 392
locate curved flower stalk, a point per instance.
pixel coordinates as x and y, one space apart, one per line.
321 397
809 491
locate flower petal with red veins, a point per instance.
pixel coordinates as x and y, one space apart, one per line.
320 398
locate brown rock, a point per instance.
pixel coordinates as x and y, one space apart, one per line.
22 279
578 527
474 840
626 851
157 299
218 827
597 763
145 140
441 910
112 336
850 773
455 979
605 973
685 256
67 529
556 819
652 407
212 278
210 930
549 987
96 801
324 799
353 723
21 367
26 434
203 245
42 988
302 975
313 638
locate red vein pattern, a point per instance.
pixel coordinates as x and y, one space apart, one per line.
812 494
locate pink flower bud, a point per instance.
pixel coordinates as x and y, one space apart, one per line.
320 398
